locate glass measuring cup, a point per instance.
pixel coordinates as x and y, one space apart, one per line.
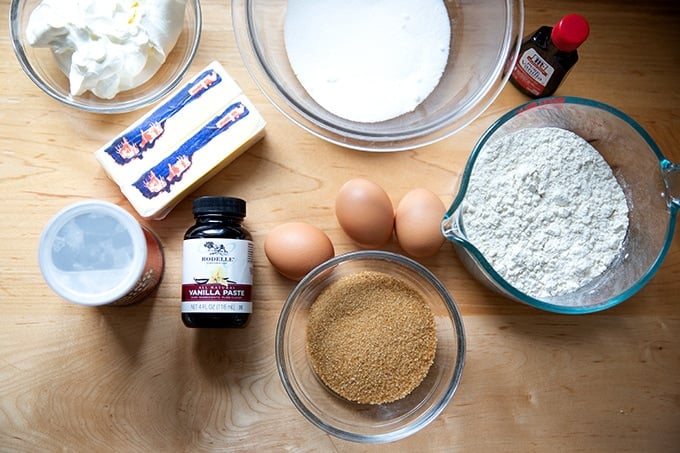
651 184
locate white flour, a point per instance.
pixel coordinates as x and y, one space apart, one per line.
545 210
367 61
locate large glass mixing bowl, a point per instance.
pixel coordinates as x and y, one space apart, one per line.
485 39
651 184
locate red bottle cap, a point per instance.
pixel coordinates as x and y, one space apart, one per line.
570 32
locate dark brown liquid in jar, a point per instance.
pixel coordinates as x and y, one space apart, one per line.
547 56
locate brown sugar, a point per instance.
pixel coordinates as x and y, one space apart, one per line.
371 337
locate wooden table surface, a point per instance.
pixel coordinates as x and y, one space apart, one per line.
135 379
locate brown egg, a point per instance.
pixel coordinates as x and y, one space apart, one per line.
295 248
365 213
417 223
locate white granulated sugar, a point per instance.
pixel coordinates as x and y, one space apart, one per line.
545 210
367 61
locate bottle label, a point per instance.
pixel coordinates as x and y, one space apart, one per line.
217 275
532 72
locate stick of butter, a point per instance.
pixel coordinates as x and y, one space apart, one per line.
187 139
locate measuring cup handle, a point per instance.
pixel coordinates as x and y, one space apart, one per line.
671 176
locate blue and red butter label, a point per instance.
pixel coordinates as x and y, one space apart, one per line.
161 177
197 131
217 276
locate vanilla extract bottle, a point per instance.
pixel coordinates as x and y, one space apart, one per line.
547 56
217 265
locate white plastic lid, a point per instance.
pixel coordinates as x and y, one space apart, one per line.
92 253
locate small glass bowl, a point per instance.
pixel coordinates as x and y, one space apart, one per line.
41 66
650 183
363 422
485 37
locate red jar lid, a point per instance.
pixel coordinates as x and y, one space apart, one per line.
570 32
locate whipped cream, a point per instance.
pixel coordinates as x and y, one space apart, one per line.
107 46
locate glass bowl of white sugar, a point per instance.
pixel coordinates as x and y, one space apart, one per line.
380 76
105 56
566 204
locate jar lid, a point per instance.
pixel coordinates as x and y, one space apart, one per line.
219 205
570 32
92 253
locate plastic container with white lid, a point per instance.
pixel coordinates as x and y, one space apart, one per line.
96 253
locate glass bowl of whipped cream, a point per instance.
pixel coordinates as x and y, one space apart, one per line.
380 76
105 56
566 204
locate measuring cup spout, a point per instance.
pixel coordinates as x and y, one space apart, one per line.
671 177
451 227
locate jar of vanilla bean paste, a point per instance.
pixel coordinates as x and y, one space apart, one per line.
217 265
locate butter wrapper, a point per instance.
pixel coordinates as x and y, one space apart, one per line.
165 155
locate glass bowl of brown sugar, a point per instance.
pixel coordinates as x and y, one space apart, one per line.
370 346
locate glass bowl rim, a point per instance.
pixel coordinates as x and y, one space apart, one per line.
16 39
454 315
324 129
479 258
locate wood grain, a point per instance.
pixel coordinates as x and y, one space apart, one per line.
135 379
